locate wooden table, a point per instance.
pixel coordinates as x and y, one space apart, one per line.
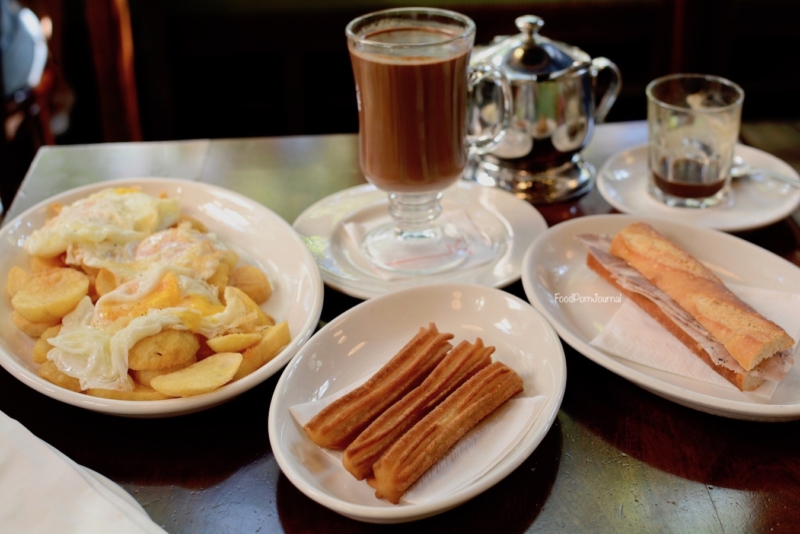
618 459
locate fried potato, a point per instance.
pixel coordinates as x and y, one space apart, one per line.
259 318
196 225
233 342
204 351
230 257
168 348
252 281
89 270
144 377
105 282
201 377
16 277
30 328
50 295
220 278
273 339
93 289
139 393
40 264
42 346
50 372
54 208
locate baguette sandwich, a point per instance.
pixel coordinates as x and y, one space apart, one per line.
692 304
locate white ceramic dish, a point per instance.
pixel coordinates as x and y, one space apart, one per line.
555 263
358 340
256 233
754 202
511 223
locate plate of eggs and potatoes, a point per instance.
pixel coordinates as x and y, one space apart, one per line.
152 297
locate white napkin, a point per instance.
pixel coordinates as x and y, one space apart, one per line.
633 335
41 490
475 454
479 250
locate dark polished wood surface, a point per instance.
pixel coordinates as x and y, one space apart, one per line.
617 459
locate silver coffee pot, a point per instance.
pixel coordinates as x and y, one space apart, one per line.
553 115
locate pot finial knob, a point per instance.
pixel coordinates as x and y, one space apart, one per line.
529 25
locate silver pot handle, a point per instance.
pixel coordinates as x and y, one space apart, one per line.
610 96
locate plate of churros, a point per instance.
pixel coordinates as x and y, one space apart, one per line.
414 402
152 297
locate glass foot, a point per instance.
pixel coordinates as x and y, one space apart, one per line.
435 249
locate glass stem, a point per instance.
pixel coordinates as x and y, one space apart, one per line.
414 212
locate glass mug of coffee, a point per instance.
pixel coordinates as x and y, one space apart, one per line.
693 122
413 80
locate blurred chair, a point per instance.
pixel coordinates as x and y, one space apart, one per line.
37 99
109 25
26 86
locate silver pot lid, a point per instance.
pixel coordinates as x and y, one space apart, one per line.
530 56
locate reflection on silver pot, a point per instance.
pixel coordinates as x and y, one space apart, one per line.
553 115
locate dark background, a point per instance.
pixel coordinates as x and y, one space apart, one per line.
217 68
239 68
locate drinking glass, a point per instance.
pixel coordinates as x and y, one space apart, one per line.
693 122
413 80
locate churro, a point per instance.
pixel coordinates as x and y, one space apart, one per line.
459 365
428 441
338 424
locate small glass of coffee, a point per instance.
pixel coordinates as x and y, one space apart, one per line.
693 122
413 80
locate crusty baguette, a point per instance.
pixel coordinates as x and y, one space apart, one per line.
743 381
747 335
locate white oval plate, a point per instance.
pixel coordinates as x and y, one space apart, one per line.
754 202
256 233
556 263
366 336
512 224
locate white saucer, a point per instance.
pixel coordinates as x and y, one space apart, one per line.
754 202
367 336
511 223
556 264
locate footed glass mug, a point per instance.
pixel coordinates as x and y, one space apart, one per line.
413 80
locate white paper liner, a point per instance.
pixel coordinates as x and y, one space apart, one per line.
633 335
478 253
41 490
475 454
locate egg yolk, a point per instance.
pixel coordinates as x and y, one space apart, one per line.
125 190
166 294
198 303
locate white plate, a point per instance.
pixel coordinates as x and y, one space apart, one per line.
509 221
556 263
754 202
256 233
368 335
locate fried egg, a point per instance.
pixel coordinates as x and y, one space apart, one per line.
183 248
94 340
117 216
161 270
